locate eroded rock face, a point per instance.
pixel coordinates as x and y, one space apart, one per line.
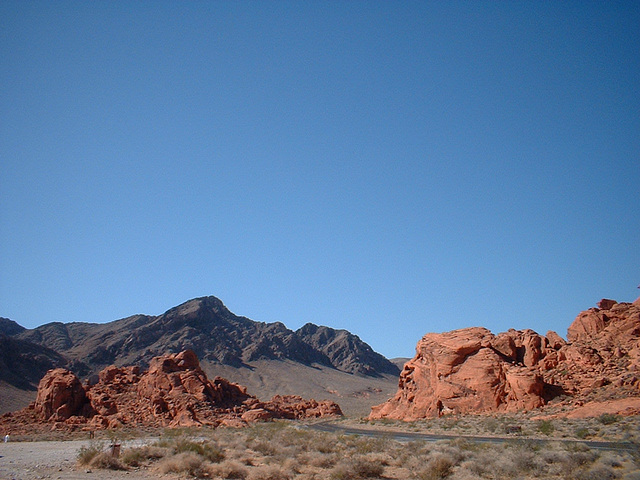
60 396
467 370
175 391
472 370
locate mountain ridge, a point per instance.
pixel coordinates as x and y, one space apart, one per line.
211 330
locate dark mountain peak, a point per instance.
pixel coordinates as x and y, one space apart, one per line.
206 326
198 306
346 351
9 327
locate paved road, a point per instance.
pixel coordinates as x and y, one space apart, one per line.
334 427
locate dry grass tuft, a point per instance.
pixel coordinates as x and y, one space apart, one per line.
186 462
357 467
139 456
86 454
269 472
228 470
106 461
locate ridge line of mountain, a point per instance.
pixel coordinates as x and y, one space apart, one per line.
203 324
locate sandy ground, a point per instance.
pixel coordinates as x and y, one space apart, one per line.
56 460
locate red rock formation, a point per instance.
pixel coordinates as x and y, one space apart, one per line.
472 370
175 391
296 407
60 396
468 370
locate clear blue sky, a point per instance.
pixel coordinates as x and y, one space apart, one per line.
392 168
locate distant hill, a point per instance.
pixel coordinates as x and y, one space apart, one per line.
335 363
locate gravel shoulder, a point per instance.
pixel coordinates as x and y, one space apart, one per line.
54 460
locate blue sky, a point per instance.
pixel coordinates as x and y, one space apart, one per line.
392 168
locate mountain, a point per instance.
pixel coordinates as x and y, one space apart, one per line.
312 361
9 327
472 370
346 351
22 363
207 327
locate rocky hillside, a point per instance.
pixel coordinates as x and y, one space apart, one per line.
174 392
472 370
216 335
22 364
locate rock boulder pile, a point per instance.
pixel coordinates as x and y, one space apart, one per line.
474 371
174 392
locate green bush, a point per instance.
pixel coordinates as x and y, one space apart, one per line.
208 450
546 427
608 418
582 432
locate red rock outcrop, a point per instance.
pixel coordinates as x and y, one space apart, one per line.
472 370
175 391
60 396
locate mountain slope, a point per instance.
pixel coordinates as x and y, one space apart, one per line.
23 364
268 358
216 335
346 351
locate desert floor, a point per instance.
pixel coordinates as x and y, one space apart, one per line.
282 450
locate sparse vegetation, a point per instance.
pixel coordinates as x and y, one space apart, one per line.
546 427
94 455
86 454
287 451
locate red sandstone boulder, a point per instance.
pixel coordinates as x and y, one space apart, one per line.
60 396
468 370
555 341
296 407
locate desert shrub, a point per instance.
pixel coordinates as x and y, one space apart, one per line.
528 462
518 459
264 447
600 472
86 453
186 462
577 460
582 432
106 461
269 472
608 418
207 450
439 466
546 427
355 468
491 424
364 445
134 457
319 460
228 469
